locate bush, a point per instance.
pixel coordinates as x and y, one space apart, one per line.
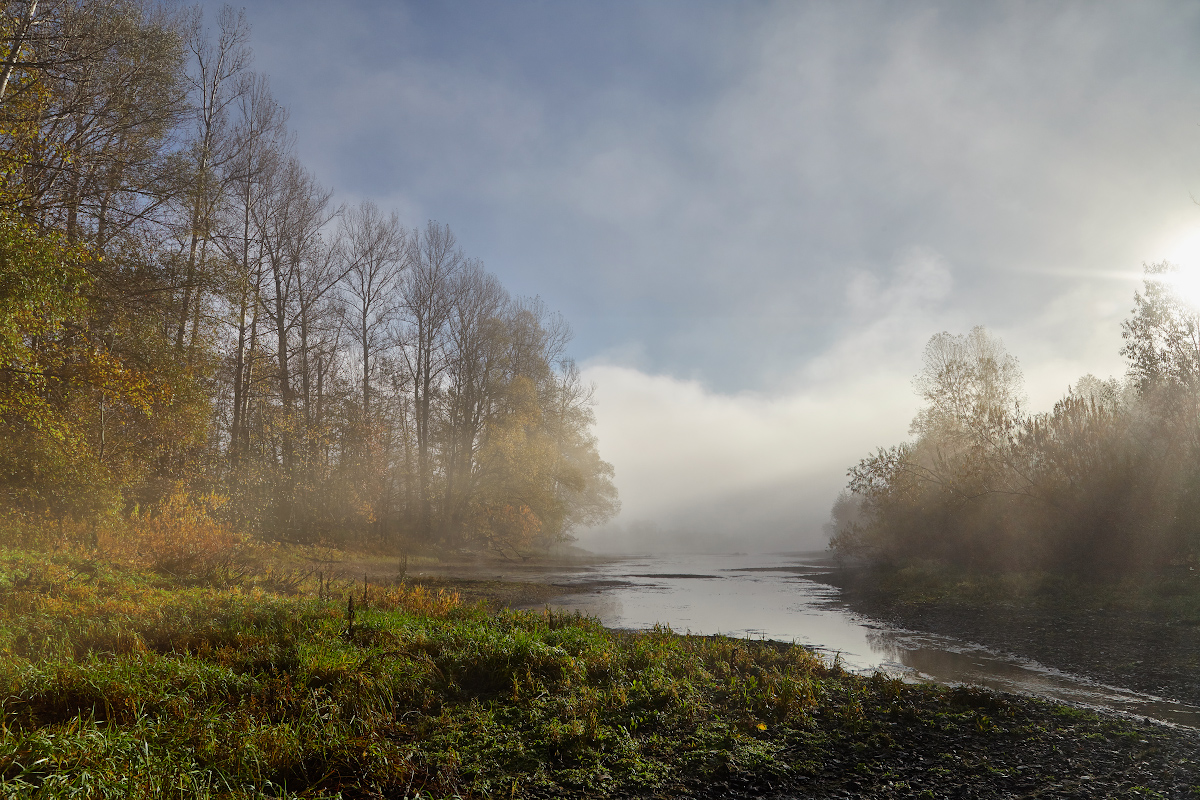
183 538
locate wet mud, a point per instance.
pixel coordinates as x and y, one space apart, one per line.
1140 651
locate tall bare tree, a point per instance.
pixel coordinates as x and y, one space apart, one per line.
376 254
478 339
261 141
215 85
289 221
434 260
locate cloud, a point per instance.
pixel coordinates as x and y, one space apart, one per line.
683 452
753 469
700 468
756 215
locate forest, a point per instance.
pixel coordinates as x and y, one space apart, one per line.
1107 483
193 331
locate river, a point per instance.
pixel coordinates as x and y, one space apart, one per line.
781 597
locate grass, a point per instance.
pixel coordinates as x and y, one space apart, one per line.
121 682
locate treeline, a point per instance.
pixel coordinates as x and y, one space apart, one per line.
1108 482
184 309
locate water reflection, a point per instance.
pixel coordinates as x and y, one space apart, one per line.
945 660
776 597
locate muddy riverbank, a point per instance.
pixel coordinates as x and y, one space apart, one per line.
983 744
899 741
1143 650
1118 649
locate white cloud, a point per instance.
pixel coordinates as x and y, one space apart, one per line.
756 217
687 455
756 469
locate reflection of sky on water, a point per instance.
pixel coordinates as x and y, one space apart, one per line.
769 597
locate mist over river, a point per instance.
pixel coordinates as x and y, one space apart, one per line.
781 597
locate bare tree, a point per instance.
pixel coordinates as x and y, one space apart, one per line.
434 260
320 322
538 340
475 367
289 221
375 254
215 86
260 140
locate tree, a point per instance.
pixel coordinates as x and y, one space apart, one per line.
475 371
1162 338
537 473
175 315
260 141
215 87
42 284
583 481
1107 482
374 255
92 93
943 495
102 86
971 387
434 260
294 211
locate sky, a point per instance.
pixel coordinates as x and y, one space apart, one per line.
755 214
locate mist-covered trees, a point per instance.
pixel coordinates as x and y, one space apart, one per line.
1108 481
183 306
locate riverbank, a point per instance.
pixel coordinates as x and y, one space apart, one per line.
131 683
498 583
1144 635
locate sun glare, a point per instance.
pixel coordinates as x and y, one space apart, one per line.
1184 254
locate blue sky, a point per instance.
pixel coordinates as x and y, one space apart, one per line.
755 214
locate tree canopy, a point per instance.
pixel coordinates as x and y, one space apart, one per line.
1107 482
183 307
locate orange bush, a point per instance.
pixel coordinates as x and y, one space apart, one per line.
183 538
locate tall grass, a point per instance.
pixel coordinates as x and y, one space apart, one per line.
125 682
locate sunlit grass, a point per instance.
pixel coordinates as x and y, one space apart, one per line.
120 683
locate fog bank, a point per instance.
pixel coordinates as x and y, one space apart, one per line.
757 471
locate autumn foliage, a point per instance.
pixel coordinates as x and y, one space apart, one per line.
185 315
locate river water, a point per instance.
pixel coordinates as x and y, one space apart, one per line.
781 597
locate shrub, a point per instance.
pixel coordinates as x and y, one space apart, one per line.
183 538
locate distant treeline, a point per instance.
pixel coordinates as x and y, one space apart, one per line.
1106 483
185 312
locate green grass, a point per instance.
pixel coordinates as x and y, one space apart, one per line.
116 680
120 683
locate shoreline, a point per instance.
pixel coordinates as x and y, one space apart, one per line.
1142 650
1129 651
1122 649
239 686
